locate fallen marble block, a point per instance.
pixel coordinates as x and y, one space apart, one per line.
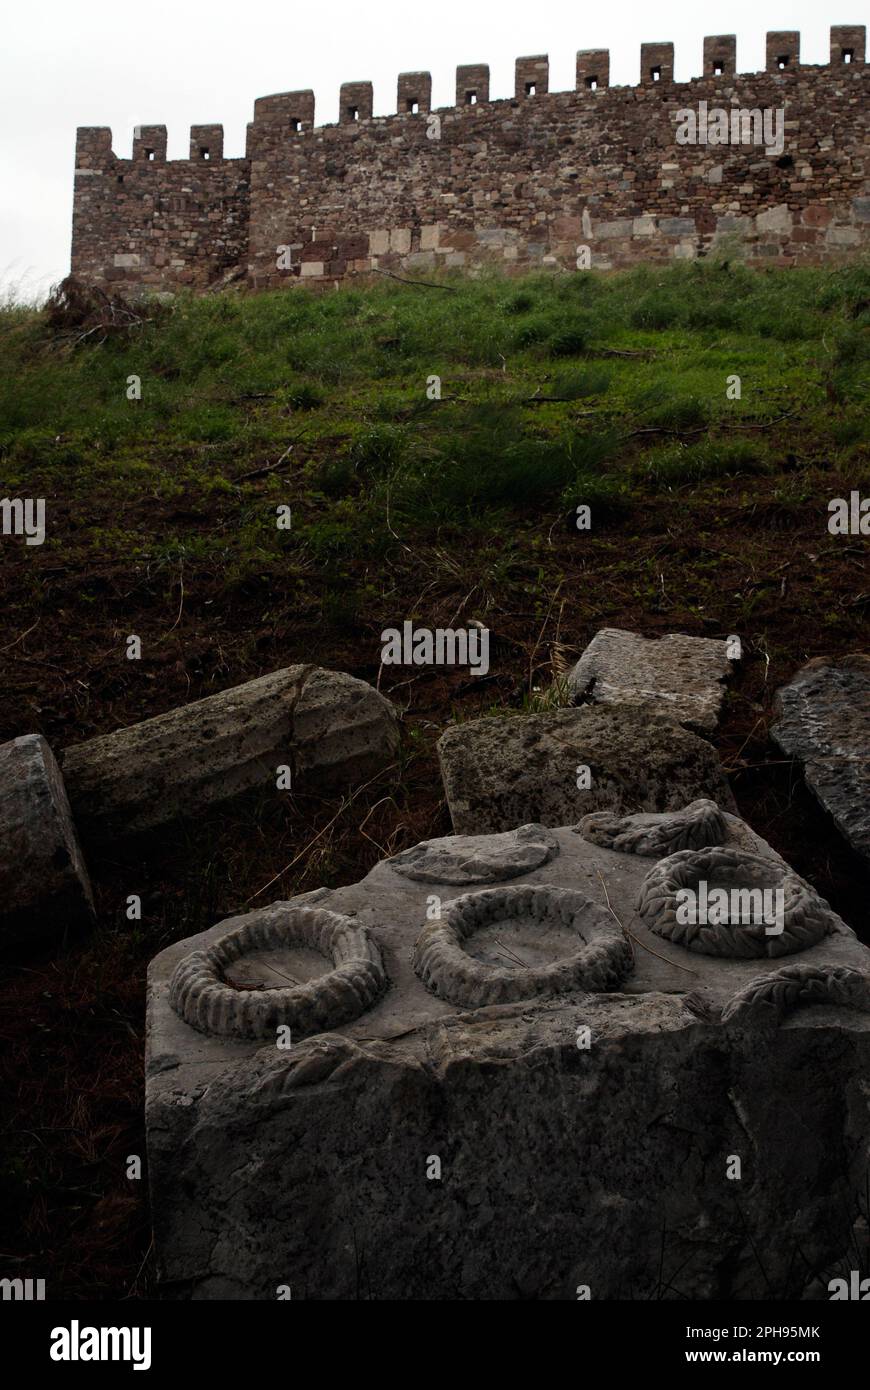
530 1095
824 724
676 675
331 729
503 771
44 884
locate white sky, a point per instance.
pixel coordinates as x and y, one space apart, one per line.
120 63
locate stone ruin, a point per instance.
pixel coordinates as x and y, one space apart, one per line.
824 724
493 1069
505 1064
326 728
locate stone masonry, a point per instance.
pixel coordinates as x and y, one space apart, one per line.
519 183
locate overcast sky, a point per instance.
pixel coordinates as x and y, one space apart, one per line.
120 63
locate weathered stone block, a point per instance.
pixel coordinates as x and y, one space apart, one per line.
681 676
429 236
778 219
622 227
391 1154
501 772
824 724
843 236
379 243
44 884
677 226
328 727
400 240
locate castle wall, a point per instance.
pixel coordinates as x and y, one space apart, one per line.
520 183
524 182
146 223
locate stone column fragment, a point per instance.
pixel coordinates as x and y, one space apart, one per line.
328 727
44 884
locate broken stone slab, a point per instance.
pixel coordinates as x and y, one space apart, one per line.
503 771
44 883
438 1145
329 728
466 859
824 724
677 675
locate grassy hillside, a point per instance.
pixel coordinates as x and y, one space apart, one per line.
709 516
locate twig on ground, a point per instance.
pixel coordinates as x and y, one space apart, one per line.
267 468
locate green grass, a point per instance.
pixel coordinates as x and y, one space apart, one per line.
554 389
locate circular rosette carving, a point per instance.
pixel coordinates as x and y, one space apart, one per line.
505 944
766 911
200 993
768 998
699 824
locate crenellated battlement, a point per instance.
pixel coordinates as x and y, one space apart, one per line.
295 110
366 191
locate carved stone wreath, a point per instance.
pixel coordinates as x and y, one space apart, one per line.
699 824
199 993
467 859
768 998
441 959
806 918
